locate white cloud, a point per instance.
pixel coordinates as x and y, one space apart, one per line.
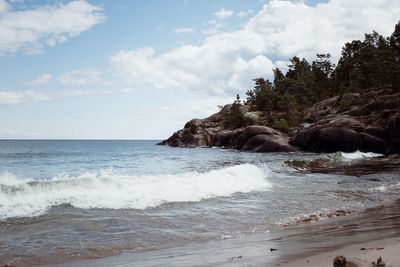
214 27
42 79
20 97
184 30
199 108
32 30
81 77
3 6
293 28
244 71
9 133
282 29
14 98
66 93
243 14
223 13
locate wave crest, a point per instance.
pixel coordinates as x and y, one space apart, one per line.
359 155
107 189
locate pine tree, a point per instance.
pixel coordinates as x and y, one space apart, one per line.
235 118
322 69
394 40
263 95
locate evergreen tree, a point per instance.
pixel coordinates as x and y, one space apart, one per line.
278 78
394 40
251 99
348 71
235 118
301 81
322 69
263 95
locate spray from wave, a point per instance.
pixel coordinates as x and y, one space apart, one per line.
107 189
10 179
359 155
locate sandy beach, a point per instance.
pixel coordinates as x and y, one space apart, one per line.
357 255
362 239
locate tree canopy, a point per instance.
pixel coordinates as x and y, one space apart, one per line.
372 62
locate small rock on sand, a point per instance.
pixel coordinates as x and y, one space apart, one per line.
339 261
379 263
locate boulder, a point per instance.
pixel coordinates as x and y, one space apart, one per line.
371 123
341 133
255 138
268 143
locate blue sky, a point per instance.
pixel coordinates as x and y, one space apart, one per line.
140 69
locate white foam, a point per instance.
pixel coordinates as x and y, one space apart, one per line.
107 189
359 155
8 178
384 188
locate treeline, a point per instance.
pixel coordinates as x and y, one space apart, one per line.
373 62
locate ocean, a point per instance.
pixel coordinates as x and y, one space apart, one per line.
62 201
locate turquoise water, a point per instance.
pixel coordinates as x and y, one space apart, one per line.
62 200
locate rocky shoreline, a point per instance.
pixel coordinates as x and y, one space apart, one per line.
367 122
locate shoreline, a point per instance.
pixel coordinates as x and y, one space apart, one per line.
317 242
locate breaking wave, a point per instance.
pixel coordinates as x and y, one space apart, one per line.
106 189
359 155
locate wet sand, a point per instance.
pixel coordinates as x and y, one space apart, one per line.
358 255
318 242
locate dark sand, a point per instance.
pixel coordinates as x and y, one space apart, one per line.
318 242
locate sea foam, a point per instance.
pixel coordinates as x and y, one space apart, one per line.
110 190
359 155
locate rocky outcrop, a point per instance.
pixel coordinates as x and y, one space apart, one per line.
254 138
210 132
369 122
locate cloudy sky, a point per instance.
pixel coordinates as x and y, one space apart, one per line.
125 69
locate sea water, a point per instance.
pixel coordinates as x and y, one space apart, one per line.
64 200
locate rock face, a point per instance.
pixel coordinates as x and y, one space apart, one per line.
369 122
210 132
254 138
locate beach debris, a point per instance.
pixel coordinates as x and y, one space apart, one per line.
317 217
235 258
273 249
339 261
379 263
376 248
340 213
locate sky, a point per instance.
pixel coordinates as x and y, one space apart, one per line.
122 69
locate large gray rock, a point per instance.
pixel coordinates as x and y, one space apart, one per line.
255 138
209 132
371 123
340 134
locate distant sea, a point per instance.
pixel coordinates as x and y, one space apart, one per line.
66 200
